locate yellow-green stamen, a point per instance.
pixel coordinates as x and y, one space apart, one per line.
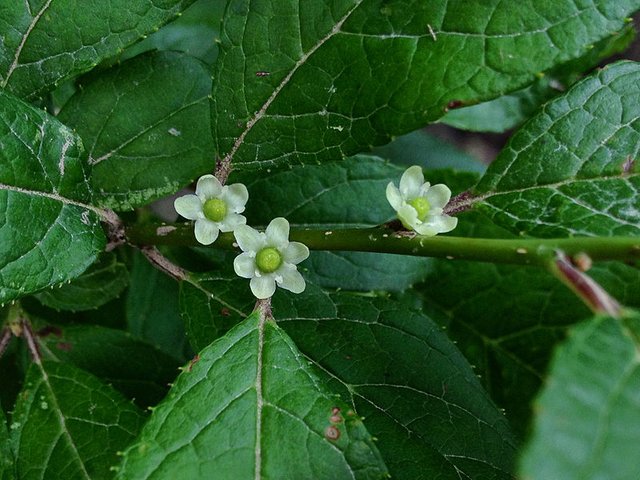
215 209
422 206
268 259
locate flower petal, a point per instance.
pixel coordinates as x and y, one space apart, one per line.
411 181
249 239
291 279
393 196
437 224
295 252
207 187
236 196
206 231
277 233
408 216
263 287
188 206
244 265
445 223
231 222
438 195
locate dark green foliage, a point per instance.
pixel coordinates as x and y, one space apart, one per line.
388 363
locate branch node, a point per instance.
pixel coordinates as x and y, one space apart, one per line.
223 169
115 230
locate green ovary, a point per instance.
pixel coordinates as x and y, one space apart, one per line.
215 209
422 206
268 260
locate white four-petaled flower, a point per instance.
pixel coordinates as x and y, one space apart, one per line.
214 208
269 258
420 205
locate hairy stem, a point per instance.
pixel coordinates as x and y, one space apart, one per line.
512 251
590 292
5 338
32 344
162 263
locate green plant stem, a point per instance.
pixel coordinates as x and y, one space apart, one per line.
380 240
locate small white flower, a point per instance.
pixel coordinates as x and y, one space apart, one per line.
419 205
269 258
214 207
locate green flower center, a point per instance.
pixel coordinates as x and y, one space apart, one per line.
268 260
422 206
215 209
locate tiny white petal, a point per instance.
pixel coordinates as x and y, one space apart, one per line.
249 239
443 223
291 279
277 232
411 182
295 252
424 189
188 206
244 265
236 196
208 187
438 195
408 216
263 287
393 196
206 231
425 229
231 222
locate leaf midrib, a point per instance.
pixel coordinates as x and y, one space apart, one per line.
301 61
62 421
133 138
30 28
52 196
551 186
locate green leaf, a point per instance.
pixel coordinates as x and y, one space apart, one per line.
507 319
419 395
363 271
138 370
285 92
428 151
67 424
48 232
145 140
191 33
307 196
102 282
398 370
212 305
587 423
153 313
572 169
6 456
46 41
255 410
509 111
502 113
